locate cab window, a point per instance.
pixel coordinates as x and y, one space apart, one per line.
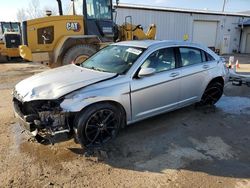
78 7
98 9
161 60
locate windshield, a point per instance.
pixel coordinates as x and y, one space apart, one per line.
113 59
15 27
10 27
98 9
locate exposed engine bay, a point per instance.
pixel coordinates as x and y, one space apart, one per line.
44 118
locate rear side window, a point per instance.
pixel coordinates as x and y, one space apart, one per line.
190 56
206 57
209 57
161 60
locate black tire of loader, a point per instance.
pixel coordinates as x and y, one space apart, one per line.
75 52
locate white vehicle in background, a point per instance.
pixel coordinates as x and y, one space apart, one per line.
239 79
121 84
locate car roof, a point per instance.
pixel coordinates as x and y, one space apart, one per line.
156 43
165 43
138 43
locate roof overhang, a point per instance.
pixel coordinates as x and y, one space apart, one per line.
180 10
245 24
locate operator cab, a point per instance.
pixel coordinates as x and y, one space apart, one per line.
10 34
99 19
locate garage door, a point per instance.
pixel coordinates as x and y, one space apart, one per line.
248 43
204 32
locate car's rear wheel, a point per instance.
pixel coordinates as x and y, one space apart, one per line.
98 124
212 93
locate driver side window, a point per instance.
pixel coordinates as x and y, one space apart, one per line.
161 60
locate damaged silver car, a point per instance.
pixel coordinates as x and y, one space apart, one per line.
121 84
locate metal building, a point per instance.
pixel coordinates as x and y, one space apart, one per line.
226 32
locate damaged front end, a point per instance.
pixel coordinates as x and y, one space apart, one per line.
42 118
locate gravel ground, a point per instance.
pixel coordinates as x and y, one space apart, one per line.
190 147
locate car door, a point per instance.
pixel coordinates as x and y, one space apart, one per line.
157 93
194 70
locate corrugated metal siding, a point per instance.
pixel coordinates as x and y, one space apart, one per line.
165 22
174 25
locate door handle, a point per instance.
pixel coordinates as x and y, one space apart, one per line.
205 66
174 74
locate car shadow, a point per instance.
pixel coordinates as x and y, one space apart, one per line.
207 140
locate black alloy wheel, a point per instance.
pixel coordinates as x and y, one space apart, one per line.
98 125
212 93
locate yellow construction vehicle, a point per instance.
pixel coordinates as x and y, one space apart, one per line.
65 39
128 31
10 39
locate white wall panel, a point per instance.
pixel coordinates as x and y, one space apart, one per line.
174 25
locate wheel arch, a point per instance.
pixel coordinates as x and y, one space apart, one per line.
213 80
217 79
112 102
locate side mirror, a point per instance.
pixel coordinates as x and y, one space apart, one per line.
146 72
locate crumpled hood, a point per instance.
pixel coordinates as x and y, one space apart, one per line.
55 83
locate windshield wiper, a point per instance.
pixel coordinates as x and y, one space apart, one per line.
94 68
97 69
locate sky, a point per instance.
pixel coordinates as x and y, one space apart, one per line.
9 8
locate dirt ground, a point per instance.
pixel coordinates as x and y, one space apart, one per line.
190 147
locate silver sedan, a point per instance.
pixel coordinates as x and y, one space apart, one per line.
121 84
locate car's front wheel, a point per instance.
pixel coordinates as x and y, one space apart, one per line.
212 93
98 124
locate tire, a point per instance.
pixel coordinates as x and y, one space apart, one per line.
78 54
3 59
212 93
98 124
